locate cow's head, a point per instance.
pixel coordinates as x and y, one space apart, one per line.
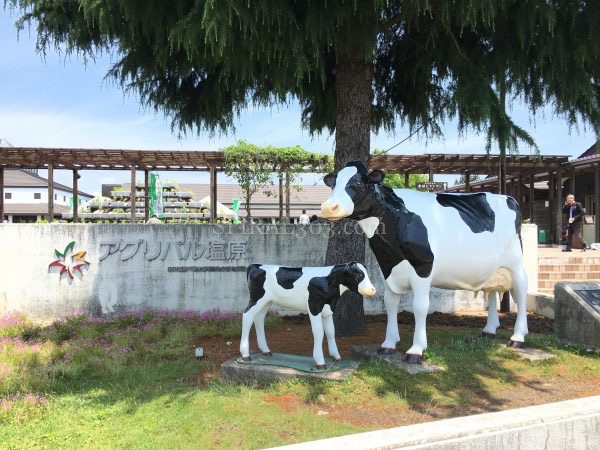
352 192
354 276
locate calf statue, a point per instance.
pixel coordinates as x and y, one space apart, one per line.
314 290
422 239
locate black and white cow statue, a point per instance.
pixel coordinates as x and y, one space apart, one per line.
422 239
314 290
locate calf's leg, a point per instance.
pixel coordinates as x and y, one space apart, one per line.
316 323
247 321
259 326
329 327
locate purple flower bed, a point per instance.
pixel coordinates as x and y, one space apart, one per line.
7 403
12 319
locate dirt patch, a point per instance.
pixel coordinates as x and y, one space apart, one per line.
295 336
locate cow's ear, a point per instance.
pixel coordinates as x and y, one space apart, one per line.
376 176
329 179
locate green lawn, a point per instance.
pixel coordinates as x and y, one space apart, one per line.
131 382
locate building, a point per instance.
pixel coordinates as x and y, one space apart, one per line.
26 197
185 201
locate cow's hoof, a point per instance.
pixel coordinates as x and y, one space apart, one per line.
485 334
515 344
383 351
246 358
411 358
321 366
267 354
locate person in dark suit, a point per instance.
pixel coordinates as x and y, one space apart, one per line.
574 212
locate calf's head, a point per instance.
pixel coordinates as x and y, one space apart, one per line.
354 276
352 193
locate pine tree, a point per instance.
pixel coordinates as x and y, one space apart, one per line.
353 66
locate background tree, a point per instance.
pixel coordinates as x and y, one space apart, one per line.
250 168
352 66
462 179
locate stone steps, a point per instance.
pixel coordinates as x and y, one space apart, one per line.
576 266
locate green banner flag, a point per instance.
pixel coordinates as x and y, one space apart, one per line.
156 207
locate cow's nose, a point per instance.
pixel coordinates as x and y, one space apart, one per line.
334 207
369 292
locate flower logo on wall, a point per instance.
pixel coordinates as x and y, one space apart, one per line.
69 261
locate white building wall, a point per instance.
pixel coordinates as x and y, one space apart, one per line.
26 195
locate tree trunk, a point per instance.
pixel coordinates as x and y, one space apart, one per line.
353 81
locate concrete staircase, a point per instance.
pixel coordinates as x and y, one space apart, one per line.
557 267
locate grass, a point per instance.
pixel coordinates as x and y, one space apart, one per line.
130 381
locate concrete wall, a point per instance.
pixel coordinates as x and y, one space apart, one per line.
572 424
196 267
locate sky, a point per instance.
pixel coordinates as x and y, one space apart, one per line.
58 101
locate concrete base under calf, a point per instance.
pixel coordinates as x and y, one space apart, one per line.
259 372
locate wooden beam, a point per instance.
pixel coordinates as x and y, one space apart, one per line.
213 193
467 181
75 197
132 193
572 181
1 194
597 201
430 172
287 197
531 196
146 197
280 197
559 204
50 191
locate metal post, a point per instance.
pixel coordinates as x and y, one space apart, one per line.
132 193
50 192
146 197
75 197
213 194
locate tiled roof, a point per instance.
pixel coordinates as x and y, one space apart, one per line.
33 208
20 178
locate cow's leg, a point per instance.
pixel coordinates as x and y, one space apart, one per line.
259 326
493 322
392 335
420 288
247 321
519 293
316 323
329 328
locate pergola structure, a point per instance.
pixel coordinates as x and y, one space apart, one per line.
517 167
104 159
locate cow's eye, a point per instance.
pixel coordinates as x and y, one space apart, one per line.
329 180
